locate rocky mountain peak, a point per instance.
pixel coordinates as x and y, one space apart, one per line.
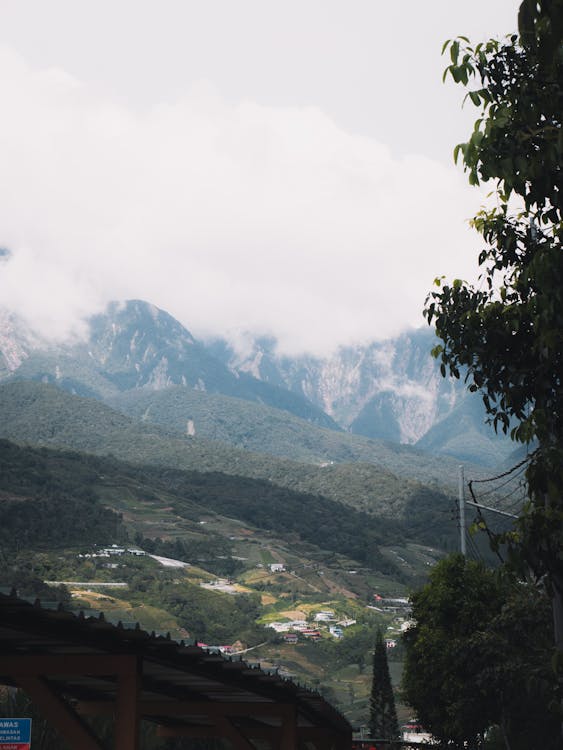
16 342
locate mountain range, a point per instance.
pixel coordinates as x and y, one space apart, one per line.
140 360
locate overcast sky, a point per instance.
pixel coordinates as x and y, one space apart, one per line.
276 166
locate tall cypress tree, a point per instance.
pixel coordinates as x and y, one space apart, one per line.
382 714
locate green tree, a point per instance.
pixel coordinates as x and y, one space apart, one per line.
382 714
506 334
478 657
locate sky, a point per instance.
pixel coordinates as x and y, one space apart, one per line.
283 168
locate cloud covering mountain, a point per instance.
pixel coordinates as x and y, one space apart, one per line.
230 215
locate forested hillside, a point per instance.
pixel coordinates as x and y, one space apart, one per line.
46 503
384 478
76 485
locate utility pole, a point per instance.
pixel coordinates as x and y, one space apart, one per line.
461 495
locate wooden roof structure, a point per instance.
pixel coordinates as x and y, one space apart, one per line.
72 665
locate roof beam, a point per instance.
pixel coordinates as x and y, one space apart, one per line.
222 728
67 664
233 734
59 713
194 708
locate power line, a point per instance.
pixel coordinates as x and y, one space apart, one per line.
476 553
508 471
484 524
515 494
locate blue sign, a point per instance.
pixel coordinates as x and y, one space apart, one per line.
15 732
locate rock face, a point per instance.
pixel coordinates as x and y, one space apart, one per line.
137 345
15 343
391 389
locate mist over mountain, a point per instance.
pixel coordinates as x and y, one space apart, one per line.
390 390
134 345
387 390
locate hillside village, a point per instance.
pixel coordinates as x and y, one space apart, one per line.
321 624
172 553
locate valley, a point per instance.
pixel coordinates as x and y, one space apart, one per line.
237 577
159 480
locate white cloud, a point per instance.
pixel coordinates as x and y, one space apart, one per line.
228 215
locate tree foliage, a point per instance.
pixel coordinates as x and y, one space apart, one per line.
40 508
506 334
382 713
478 656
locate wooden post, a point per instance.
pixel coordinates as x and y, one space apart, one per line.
289 729
127 707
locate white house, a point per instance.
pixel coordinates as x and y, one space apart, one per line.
279 627
324 616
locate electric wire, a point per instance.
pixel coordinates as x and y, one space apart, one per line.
470 544
486 526
508 471
521 469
